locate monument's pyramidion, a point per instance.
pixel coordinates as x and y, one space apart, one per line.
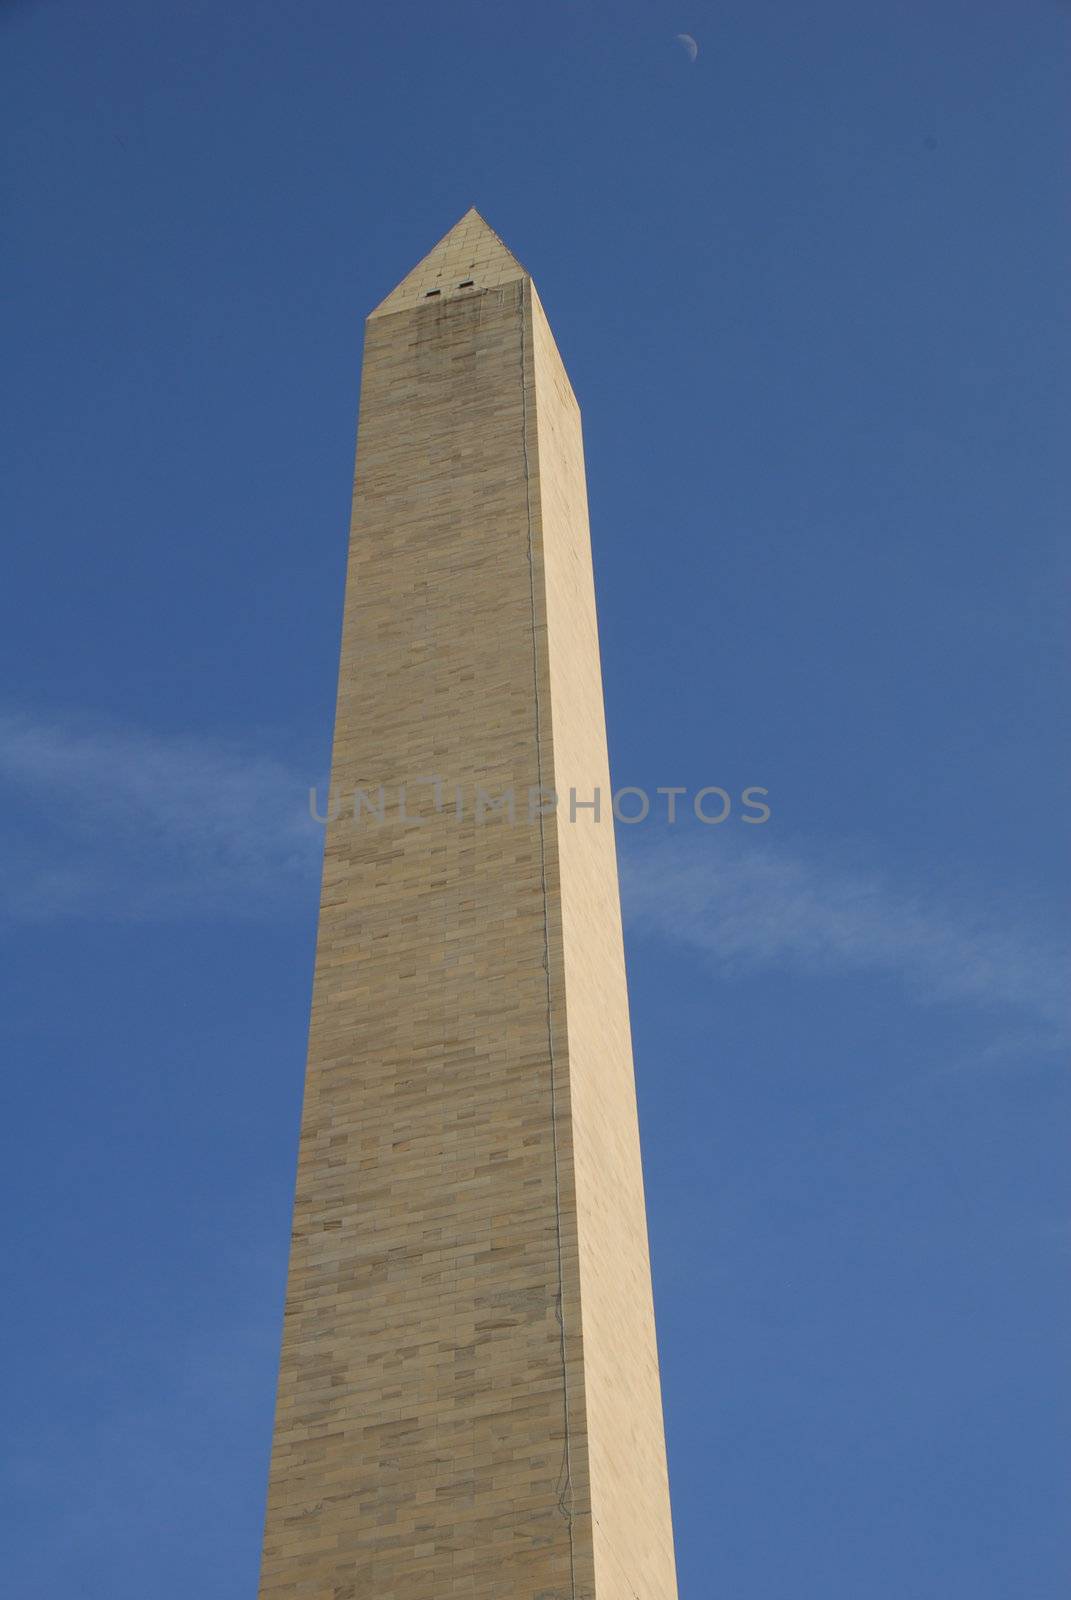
469 1396
471 249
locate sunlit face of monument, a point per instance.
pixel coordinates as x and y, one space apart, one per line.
469 1396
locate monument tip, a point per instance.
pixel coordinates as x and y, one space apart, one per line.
471 256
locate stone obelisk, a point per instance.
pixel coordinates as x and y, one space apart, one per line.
469 1401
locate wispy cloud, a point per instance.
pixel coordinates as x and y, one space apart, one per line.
751 906
123 824
110 822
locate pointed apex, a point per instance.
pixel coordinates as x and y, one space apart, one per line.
468 258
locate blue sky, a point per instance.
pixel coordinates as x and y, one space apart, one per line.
810 290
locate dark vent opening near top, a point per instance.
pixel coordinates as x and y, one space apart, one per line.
468 283
430 292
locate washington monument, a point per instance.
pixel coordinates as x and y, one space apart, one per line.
469 1401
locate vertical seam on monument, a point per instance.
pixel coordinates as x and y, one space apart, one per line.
565 1476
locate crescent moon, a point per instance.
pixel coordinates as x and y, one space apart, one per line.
689 44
